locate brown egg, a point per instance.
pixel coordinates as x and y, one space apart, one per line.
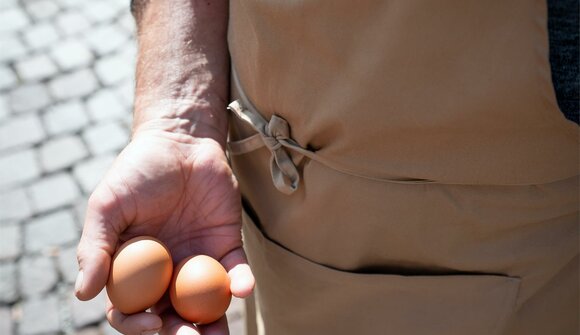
140 274
200 289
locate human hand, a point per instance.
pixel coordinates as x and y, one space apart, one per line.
180 190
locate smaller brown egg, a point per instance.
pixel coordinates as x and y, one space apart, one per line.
200 289
140 274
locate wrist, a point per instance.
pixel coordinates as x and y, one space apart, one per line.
184 121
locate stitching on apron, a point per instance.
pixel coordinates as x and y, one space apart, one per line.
275 135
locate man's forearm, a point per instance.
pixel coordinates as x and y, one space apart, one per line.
182 75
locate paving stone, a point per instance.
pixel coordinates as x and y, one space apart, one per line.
90 172
40 316
53 192
67 264
99 11
72 23
7 78
73 85
61 152
49 231
12 47
126 91
13 19
4 110
14 205
37 275
106 105
71 54
106 39
88 312
21 131
41 9
5 4
29 98
36 68
127 22
67 117
81 210
8 283
6 322
18 168
40 35
114 69
105 138
10 241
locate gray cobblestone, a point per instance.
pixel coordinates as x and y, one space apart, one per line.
40 35
89 173
14 205
126 91
73 85
8 4
36 68
62 152
49 231
18 168
106 39
12 47
113 69
67 264
71 54
65 118
41 9
106 105
53 192
128 23
7 78
4 111
13 19
99 11
72 23
8 284
10 241
105 138
29 98
88 312
37 275
6 323
21 131
40 316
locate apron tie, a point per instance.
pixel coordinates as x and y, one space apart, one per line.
274 135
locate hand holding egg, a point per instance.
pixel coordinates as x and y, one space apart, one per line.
141 272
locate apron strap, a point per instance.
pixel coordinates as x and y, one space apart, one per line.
275 135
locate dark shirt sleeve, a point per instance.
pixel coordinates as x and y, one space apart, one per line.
563 25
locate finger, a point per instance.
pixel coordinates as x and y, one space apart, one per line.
97 244
241 277
140 323
174 325
220 327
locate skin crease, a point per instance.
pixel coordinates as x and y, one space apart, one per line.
172 181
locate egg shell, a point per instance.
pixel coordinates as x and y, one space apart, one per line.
200 289
140 274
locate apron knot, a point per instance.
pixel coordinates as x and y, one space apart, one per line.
274 135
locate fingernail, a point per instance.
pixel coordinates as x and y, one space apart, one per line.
150 332
79 283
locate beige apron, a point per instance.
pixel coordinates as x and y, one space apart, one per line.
405 168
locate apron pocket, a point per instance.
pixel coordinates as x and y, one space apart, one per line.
298 296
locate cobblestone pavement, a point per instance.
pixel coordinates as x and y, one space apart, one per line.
66 86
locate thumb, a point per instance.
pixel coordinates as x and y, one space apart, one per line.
102 225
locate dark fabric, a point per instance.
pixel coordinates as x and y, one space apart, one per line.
563 25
